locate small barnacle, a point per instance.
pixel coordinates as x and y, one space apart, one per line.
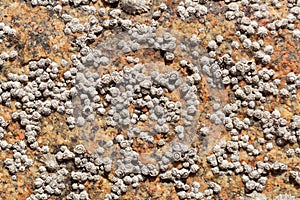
266 59
169 56
296 34
201 10
176 156
219 39
145 171
235 44
79 149
4 56
87 110
262 31
38 182
158 110
194 168
104 61
80 121
136 6
182 195
13 55
284 92
191 110
146 84
247 43
212 45
269 49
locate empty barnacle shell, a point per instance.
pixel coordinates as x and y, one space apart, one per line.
136 6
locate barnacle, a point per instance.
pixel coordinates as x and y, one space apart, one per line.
284 197
111 1
136 6
50 161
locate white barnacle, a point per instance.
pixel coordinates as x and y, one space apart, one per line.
194 168
176 156
296 34
79 149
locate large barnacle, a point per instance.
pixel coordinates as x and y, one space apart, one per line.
136 6
50 161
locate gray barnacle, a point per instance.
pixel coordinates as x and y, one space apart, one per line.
153 170
182 195
177 156
111 1
126 24
50 161
136 6
215 187
285 197
169 56
87 110
296 34
146 84
145 170
250 185
90 167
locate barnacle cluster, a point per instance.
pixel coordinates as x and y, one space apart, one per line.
141 99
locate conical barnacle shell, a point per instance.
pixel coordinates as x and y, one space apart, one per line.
111 1
136 6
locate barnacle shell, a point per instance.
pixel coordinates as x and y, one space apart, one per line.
284 197
50 161
111 1
136 6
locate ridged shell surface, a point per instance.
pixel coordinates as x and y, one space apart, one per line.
136 6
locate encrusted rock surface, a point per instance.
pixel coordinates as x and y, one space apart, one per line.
149 99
